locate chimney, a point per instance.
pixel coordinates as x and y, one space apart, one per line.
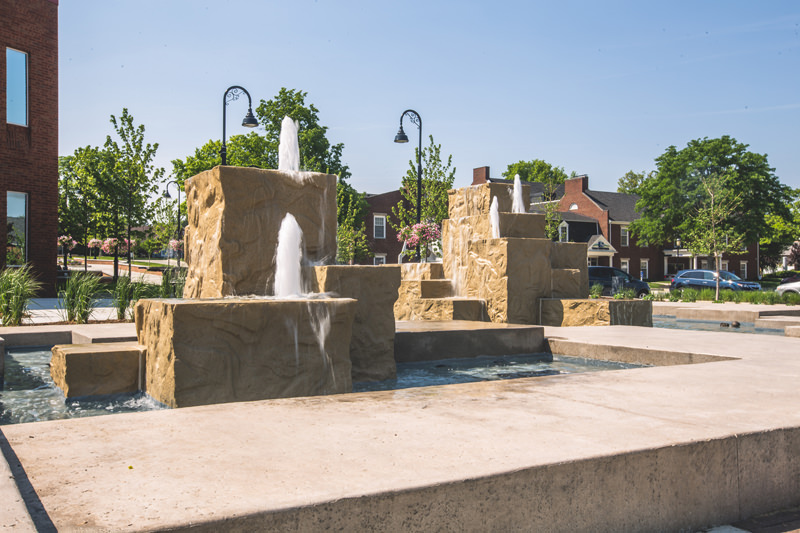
576 185
480 175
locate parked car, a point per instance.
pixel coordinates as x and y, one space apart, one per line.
791 284
613 279
707 279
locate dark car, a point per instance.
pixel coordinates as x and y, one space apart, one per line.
707 279
613 280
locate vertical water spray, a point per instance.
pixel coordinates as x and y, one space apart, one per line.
519 204
494 218
288 147
288 259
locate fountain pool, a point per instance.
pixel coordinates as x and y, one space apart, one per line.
29 394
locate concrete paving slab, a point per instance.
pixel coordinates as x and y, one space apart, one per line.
727 312
665 448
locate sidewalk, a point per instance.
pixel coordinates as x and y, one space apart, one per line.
46 310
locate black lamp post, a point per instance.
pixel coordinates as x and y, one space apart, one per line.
401 137
178 209
232 93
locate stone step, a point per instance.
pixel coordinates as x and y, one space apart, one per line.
430 340
98 369
436 288
420 271
447 309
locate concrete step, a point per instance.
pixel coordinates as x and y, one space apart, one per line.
436 288
447 309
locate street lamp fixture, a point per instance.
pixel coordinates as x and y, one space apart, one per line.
178 208
232 93
401 138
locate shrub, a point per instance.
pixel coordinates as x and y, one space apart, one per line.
791 298
625 294
596 291
649 297
689 295
17 287
123 294
78 296
727 295
172 282
707 294
675 295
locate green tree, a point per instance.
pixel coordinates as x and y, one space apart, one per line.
673 195
539 171
437 179
351 235
713 233
255 149
631 181
781 234
126 180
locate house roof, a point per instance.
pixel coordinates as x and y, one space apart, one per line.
537 190
621 207
599 245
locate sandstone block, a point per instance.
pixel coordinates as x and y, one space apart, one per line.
209 351
596 312
417 271
570 283
511 275
234 216
97 369
477 199
435 288
376 290
569 255
436 309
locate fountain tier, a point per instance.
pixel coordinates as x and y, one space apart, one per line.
234 216
229 350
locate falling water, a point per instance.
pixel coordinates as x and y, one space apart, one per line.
494 218
288 148
519 205
288 259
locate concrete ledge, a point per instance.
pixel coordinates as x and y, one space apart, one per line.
792 331
627 354
430 340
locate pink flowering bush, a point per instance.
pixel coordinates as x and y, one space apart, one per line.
67 242
95 243
176 245
419 236
109 245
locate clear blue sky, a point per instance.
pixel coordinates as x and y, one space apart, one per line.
595 87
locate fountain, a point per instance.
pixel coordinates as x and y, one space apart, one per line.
518 206
289 147
494 219
289 259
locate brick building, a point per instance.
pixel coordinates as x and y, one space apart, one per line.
29 135
601 219
382 238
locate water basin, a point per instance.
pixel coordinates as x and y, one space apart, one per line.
670 322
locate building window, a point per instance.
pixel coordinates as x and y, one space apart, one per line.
380 259
16 87
563 232
573 207
625 265
379 227
704 264
623 236
743 269
644 269
17 222
592 261
723 265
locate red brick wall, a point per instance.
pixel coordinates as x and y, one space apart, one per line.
383 204
29 155
573 194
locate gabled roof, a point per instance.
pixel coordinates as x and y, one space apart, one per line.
537 190
599 245
621 207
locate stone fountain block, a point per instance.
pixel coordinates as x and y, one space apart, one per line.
510 275
477 199
97 369
376 289
569 255
234 216
212 351
596 312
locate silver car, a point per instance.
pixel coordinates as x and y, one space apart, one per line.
789 285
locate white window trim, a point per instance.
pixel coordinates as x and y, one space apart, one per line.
743 269
563 232
379 256
623 231
375 217
644 266
625 265
573 207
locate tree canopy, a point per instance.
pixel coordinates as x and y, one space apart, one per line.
673 195
437 178
631 181
536 170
